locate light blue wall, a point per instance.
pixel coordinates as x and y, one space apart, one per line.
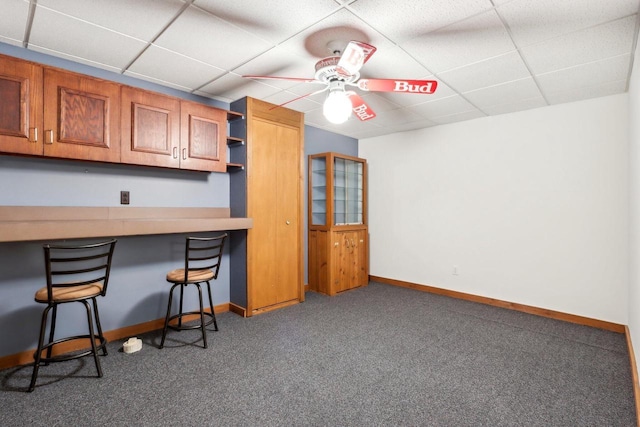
138 290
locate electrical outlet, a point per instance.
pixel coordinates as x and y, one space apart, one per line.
124 197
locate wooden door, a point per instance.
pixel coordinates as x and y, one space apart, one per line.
20 107
150 128
203 131
288 221
81 117
274 241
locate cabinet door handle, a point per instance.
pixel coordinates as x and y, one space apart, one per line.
184 154
336 244
175 152
35 135
50 139
287 222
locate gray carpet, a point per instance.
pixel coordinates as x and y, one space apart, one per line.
376 356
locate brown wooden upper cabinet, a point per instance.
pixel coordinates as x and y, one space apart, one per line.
203 137
159 130
81 117
150 128
20 107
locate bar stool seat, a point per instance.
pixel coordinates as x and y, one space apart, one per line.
74 274
203 256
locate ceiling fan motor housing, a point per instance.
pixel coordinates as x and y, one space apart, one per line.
326 71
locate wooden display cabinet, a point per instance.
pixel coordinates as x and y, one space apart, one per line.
338 234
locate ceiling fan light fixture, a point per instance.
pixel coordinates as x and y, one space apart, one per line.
337 106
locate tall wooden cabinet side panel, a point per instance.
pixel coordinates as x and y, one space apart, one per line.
20 107
274 201
81 117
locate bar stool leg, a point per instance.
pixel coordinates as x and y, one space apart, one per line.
92 337
52 330
38 355
204 331
166 318
182 285
213 313
99 326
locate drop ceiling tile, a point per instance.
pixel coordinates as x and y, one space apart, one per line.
233 87
582 76
278 62
341 26
506 93
493 71
75 59
459 117
539 20
472 40
157 81
390 118
525 104
123 16
408 125
265 19
13 21
175 69
391 62
442 107
587 92
303 105
209 39
580 47
82 40
401 20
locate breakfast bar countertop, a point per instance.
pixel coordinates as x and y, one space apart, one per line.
32 223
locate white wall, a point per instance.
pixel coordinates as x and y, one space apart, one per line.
634 207
531 207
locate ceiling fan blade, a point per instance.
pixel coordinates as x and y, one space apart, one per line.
360 108
300 97
354 57
297 79
398 85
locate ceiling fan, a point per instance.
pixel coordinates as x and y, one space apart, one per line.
342 70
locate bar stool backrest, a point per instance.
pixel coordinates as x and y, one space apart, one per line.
203 253
78 265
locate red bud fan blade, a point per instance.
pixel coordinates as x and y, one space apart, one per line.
360 108
354 57
298 79
402 86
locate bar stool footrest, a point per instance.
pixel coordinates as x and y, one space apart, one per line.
71 355
197 325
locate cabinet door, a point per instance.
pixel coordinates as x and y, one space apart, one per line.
350 264
362 258
203 131
81 117
150 129
20 107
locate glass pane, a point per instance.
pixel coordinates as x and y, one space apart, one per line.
339 191
319 191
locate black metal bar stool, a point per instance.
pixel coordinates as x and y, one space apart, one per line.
201 265
74 274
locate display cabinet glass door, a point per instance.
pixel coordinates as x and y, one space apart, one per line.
348 191
319 191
